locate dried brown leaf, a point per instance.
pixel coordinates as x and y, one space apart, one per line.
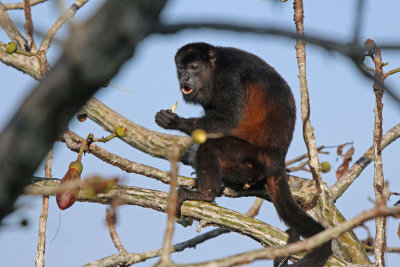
349 154
343 168
339 150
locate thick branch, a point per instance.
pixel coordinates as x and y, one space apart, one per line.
150 142
26 64
157 200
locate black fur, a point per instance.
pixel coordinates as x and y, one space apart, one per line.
248 102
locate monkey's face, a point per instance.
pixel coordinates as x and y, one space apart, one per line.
195 80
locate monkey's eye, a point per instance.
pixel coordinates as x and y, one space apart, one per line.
180 68
194 67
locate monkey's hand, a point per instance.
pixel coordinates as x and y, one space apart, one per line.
167 119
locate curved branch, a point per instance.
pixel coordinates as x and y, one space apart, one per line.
151 142
69 13
9 27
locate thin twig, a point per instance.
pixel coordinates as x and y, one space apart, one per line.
172 202
29 26
300 167
9 27
22 4
132 258
380 235
304 156
308 132
40 250
110 218
60 21
391 72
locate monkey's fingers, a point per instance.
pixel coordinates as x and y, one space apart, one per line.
164 118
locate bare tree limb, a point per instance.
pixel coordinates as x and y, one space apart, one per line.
22 4
60 21
172 204
349 177
29 26
380 222
110 218
9 27
150 142
308 131
40 250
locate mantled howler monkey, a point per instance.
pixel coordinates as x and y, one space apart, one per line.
251 105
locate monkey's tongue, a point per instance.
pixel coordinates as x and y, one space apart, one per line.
186 90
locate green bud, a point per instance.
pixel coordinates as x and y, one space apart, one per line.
120 131
11 47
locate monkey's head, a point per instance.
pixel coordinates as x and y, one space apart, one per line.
195 67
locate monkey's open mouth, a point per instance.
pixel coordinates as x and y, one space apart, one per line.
186 90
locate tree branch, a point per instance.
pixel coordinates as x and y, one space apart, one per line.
308 132
9 27
351 175
29 26
379 183
22 4
69 13
40 250
150 142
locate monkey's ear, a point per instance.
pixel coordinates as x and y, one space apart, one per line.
212 56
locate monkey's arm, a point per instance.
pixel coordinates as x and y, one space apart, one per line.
211 123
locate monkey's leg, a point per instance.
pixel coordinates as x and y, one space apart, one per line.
226 161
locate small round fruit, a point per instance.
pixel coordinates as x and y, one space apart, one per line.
325 166
199 136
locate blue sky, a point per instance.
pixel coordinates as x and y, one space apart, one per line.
342 104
